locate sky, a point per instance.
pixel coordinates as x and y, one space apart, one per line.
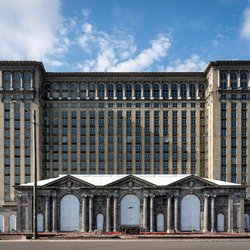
124 35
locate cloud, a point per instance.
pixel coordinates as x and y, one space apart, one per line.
116 51
192 64
245 28
31 30
147 57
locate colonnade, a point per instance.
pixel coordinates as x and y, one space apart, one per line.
208 219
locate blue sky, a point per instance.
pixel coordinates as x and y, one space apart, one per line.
124 35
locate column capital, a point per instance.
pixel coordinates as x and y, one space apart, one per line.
54 196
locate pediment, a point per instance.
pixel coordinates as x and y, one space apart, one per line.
192 181
131 181
69 181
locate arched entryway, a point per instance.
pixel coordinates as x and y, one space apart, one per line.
40 224
12 223
69 213
160 222
130 210
190 213
220 222
99 219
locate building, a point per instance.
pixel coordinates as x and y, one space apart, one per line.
122 123
137 203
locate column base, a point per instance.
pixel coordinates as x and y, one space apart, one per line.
170 231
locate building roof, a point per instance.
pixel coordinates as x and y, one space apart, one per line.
103 180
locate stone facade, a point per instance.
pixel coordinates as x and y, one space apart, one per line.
122 123
155 201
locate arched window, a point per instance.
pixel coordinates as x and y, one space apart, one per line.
16 80
156 93
6 80
1 223
130 210
174 91
83 88
146 91
138 91
243 80
110 91
99 222
165 91
74 90
201 91
119 91
160 222
101 91
190 213
69 213
192 91
40 223
55 90
12 223
183 91
247 222
65 90
92 91
233 80
128 91
26 80
220 222
223 75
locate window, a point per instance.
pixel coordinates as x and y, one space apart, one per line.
183 91
174 91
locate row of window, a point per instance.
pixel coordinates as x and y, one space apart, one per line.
128 91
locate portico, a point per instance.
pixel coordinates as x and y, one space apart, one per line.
147 203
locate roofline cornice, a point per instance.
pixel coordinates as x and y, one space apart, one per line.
228 63
6 64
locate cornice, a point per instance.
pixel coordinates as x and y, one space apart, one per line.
8 65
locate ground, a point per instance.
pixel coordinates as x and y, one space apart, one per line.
131 244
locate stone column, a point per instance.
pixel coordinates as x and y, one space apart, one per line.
176 213
169 215
90 212
107 215
212 212
123 92
152 213
240 217
145 197
105 92
160 92
205 213
178 91
230 214
54 217
47 213
115 214
133 92
84 213
26 216
151 91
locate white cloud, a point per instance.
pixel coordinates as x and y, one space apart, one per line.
192 64
31 30
147 57
116 51
245 28
87 28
